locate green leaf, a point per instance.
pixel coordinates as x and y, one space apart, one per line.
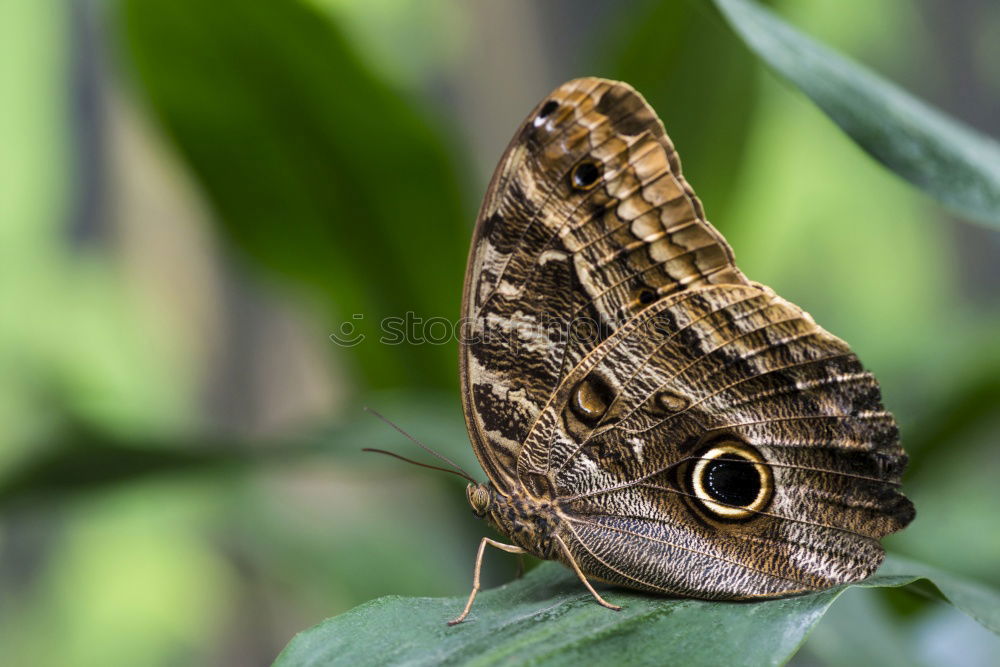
946 159
959 411
318 171
549 618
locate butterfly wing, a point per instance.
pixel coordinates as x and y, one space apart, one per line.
734 369
698 434
587 220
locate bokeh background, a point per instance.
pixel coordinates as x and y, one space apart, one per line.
195 195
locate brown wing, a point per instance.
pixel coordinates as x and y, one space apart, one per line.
736 373
587 221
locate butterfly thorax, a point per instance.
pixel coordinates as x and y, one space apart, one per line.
528 521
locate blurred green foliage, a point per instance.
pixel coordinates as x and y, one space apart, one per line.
951 162
316 168
138 527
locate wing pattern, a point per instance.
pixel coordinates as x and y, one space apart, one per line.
722 364
693 432
558 261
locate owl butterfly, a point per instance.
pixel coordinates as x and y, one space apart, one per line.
646 414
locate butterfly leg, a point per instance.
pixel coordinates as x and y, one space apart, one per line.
509 548
583 577
520 566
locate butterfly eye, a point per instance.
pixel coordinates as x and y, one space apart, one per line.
732 481
480 498
585 175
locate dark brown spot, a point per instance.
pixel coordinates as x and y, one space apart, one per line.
627 112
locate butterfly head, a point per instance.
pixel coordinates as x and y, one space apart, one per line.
480 497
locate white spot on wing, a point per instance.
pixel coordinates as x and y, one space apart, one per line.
506 288
552 256
636 448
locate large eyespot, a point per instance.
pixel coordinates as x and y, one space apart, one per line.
585 175
732 480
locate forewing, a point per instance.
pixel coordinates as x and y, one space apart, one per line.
586 222
720 364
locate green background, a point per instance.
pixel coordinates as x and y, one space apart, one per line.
195 195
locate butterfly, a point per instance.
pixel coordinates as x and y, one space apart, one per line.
645 413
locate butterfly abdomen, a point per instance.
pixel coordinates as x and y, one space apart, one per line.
531 523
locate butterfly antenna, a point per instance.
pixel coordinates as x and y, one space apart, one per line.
416 463
458 470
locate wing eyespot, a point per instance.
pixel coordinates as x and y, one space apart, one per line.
585 175
731 480
591 399
640 297
669 402
548 108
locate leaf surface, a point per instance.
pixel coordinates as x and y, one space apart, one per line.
549 618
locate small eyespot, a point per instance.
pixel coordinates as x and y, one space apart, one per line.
585 175
732 481
670 402
548 108
640 296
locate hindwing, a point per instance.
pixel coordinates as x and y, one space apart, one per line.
736 369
